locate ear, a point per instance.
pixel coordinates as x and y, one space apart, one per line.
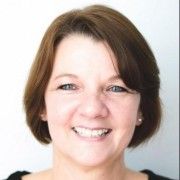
139 119
43 116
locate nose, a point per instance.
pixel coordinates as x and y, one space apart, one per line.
93 107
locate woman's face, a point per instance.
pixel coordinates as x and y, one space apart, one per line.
91 113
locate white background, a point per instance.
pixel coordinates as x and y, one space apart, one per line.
22 24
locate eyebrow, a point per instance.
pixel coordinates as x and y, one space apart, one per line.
66 75
112 78
115 77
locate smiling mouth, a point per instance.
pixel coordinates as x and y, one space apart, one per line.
91 133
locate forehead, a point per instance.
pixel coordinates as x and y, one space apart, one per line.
79 52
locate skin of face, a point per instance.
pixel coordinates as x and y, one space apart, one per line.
85 91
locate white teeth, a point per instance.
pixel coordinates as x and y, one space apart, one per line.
90 133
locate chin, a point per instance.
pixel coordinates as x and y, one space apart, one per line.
90 159
90 163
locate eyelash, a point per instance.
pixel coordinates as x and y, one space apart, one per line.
69 86
120 89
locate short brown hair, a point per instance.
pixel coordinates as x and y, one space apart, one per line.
136 63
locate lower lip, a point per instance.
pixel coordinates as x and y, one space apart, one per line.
93 139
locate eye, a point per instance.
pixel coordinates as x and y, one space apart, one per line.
67 87
117 89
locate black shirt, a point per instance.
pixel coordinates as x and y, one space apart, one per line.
152 176
17 175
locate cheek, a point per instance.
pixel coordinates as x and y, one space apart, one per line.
123 120
124 111
60 110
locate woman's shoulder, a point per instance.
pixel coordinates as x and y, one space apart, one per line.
17 175
153 176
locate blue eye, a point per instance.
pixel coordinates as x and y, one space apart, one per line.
117 89
67 87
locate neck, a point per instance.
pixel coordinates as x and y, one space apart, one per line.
64 168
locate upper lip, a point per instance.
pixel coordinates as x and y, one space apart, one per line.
92 128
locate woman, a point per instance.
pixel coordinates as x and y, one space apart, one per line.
93 91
